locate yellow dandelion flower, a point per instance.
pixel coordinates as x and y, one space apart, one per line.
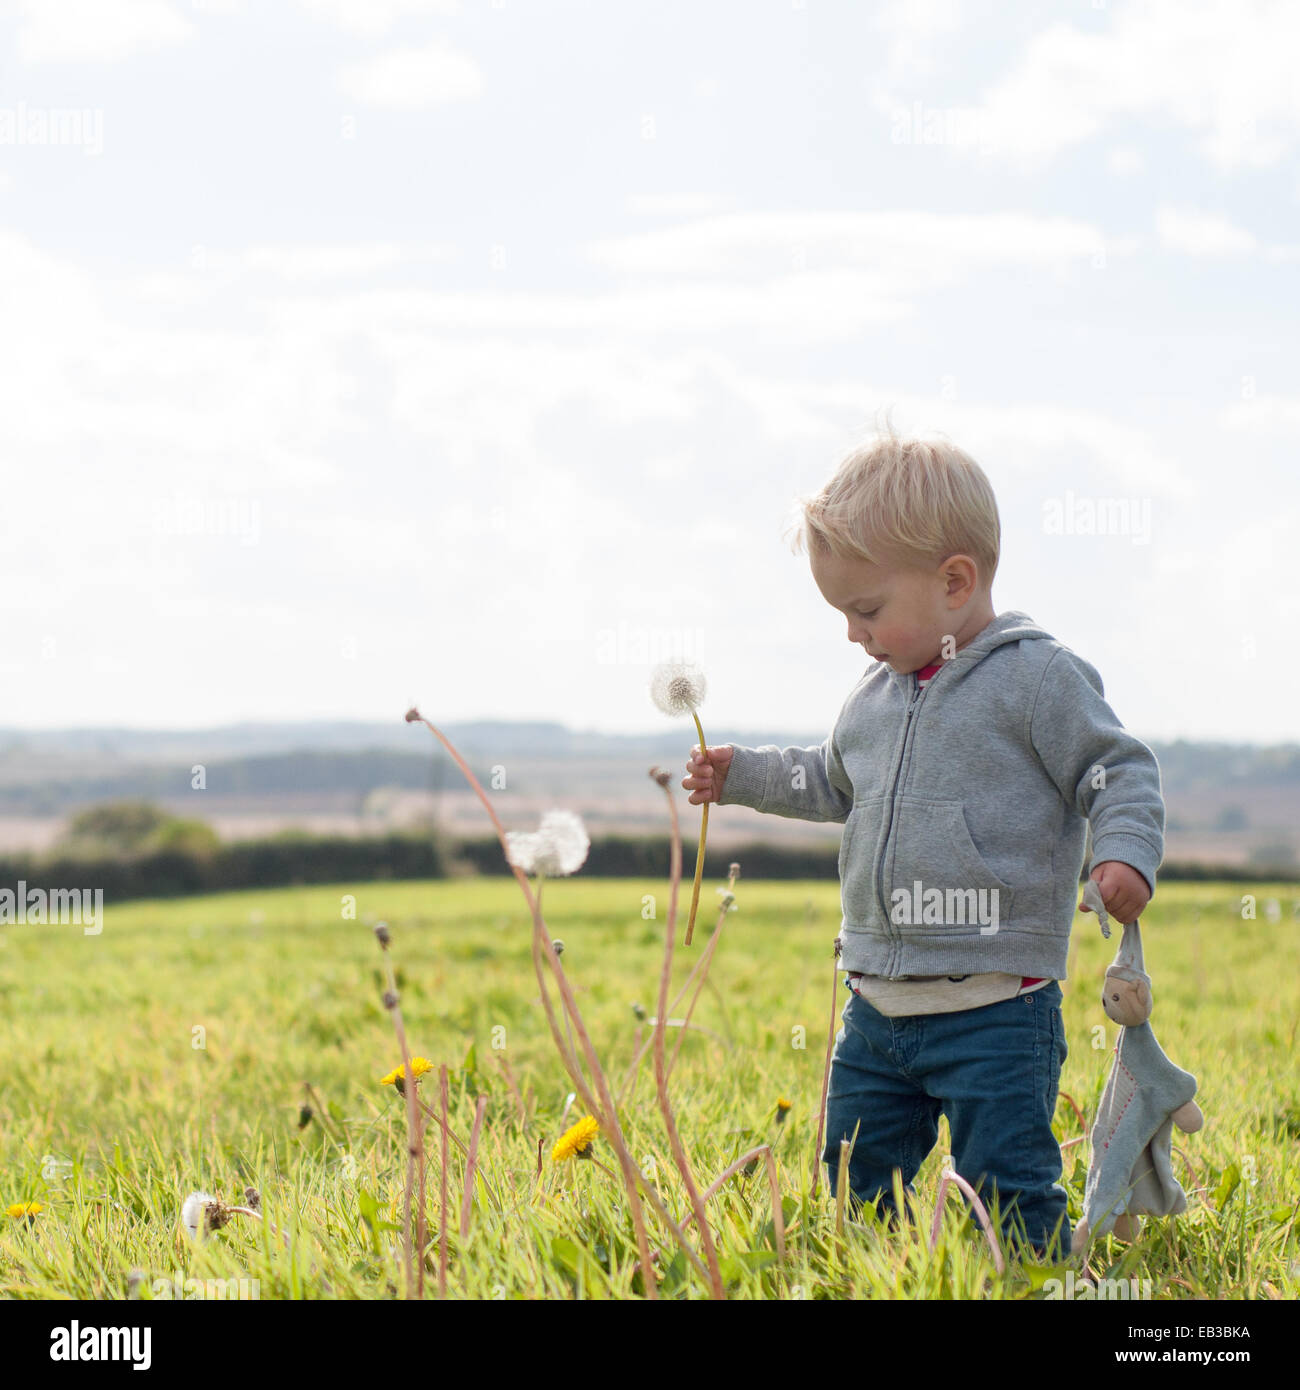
396 1077
20 1209
782 1109
576 1142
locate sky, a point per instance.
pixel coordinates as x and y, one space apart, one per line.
363 353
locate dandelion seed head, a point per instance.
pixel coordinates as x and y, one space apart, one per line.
521 849
557 848
194 1212
677 687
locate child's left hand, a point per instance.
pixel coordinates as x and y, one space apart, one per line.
1123 890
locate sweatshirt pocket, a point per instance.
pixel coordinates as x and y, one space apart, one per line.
858 862
930 845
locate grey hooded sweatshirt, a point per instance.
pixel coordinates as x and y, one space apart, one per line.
966 805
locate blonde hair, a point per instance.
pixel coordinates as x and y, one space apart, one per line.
906 502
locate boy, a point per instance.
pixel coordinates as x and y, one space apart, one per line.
967 766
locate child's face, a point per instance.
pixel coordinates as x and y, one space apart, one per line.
896 615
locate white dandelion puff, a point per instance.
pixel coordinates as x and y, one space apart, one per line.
558 847
194 1212
677 687
521 849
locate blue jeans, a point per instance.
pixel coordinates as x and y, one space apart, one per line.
993 1070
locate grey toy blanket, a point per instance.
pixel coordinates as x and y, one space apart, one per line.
1131 1172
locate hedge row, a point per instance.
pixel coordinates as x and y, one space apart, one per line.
287 862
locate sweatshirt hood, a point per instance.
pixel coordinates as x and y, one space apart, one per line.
1011 626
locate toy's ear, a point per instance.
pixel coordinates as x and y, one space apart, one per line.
1188 1117
1126 1001
1079 1240
1127 1227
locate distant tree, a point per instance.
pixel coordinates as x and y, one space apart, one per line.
113 828
184 836
123 829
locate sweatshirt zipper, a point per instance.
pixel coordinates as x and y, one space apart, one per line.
893 792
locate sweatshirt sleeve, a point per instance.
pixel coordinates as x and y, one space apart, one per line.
800 783
1102 771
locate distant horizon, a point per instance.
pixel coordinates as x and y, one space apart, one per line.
646 732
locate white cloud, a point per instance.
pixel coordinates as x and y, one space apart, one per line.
373 17
413 79
1201 233
904 248
678 204
328 262
95 31
1261 415
1223 70
911 31
1125 161
215 269
814 307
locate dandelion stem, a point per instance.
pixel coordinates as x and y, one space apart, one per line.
778 1216
701 964
1078 1114
704 835
607 1109
951 1175
414 1136
826 1073
248 1211
703 967
442 1201
431 1114
660 1033
468 1200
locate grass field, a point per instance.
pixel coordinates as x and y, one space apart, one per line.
170 1052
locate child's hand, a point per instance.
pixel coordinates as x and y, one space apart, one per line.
707 775
1123 890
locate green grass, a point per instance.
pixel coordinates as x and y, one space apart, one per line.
110 1114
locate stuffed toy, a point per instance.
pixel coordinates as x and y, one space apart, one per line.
1131 1172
